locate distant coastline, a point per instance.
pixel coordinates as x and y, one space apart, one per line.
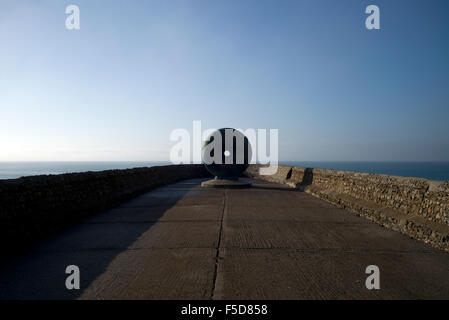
429 170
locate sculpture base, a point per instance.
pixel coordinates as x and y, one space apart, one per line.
226 183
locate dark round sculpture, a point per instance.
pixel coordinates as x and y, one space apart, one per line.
233 160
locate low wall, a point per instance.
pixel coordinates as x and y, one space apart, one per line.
31 208
414 206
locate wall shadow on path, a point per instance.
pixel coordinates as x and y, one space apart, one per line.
91 245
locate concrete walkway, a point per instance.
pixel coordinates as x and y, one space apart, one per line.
268 242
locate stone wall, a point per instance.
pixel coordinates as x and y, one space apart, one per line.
414 206
31 208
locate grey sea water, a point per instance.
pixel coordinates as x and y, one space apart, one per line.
13 170
429 170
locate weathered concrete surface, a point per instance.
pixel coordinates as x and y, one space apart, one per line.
416 207
268 242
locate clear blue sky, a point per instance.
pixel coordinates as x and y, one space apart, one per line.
136 70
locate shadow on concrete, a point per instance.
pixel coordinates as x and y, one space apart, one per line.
262 187
92 245
307 179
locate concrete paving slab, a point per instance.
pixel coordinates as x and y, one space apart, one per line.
312 214
41 275
306 235
156 274
95 236
328 274
198 234
275 198
162 213
179 198
130 235
111 274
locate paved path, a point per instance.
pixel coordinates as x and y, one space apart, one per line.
268 242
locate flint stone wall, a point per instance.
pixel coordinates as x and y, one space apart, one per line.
414 206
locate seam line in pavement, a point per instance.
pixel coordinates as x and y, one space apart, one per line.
169 205
239 220
302 250
217 255
338 250
147 221
302 221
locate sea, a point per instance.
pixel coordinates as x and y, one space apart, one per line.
429 170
